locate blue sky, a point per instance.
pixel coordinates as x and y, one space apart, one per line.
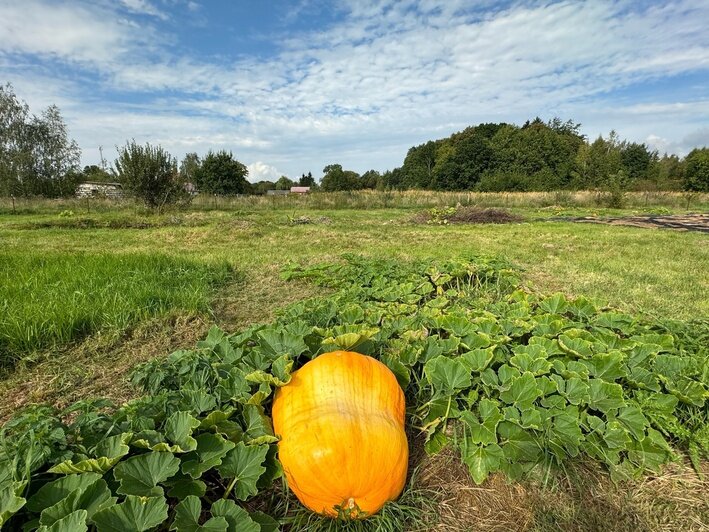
291 86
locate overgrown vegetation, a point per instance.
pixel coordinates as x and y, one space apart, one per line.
665 201
55 298
149 173
516 382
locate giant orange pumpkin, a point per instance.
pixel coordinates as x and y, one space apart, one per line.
341 423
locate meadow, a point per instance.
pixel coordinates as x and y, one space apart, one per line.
90 290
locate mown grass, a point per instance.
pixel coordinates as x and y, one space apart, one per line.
655 271
658 272
53 298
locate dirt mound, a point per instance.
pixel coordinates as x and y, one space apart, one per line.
466 215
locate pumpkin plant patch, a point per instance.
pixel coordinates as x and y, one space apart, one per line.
514 381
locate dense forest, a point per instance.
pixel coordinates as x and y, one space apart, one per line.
535 156
37 158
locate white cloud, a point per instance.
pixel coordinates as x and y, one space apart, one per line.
389 75
260 171
72 33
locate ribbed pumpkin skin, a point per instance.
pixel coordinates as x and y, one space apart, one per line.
341 423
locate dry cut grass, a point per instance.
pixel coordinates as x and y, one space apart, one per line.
581 499
98 366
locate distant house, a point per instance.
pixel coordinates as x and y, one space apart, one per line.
300 190
90 189
277 192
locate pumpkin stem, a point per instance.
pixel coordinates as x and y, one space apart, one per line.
229 488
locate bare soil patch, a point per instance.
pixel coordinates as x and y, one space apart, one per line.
677 222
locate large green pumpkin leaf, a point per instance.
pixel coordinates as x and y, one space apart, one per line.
275 343
135 514
54 491
267 523
666 342
522 391
221 422
400 371
91 498
73 522
555 304
576 347
651 452
196 401
518 444
526 362
551 346
632 418
187 514
141 474
481 459
349 341
178 429
607 366
10 500
476 340
574 390
457 325
615 436
234 387
211 449
108 452
644 378
605 396
483 431
184 487
507 374
274 469
243 465
688 391
258 428
447 375
237 518
477 359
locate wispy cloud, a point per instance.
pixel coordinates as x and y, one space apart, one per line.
385 75
144 7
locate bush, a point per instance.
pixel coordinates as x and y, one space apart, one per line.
150 174
221 174
697 173
614 193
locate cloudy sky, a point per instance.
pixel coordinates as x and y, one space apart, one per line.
290 86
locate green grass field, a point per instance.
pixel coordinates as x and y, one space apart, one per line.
54 298
653 271
86 296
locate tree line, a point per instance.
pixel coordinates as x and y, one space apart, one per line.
37 157
536 156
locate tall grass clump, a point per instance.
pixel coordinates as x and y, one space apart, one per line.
47 300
